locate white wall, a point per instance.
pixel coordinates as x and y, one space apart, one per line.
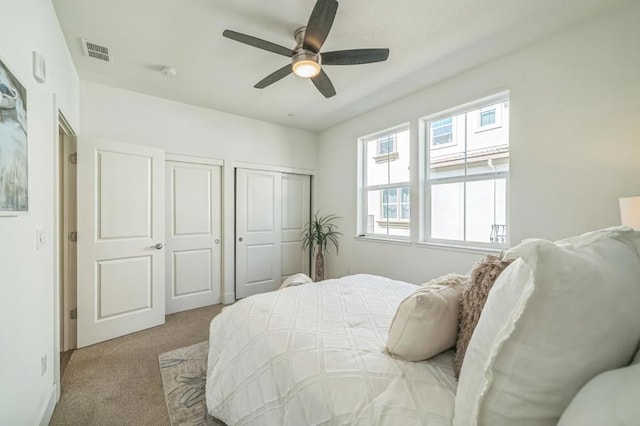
575 143
178 128
26 276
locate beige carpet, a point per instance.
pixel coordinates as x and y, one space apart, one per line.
118 382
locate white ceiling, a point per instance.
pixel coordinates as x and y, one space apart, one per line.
429 40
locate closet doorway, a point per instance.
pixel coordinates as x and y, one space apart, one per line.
272 209
66 249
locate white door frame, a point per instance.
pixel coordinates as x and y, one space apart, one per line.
68 224
60 122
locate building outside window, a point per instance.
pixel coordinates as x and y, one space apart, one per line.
386 145
383 169
395 206
488 117
466 180
442 132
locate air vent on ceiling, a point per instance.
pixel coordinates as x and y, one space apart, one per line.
94 50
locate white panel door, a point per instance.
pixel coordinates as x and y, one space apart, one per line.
258 238
120 239
193 268
296 196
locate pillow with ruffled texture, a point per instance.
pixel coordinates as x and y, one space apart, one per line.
483 275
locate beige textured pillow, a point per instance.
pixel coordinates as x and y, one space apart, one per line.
426 323
483 275
296 279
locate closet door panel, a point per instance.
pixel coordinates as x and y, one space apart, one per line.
193 211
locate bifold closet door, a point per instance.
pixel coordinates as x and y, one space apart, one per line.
194 238
271 211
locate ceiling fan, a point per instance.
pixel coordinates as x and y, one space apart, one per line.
306 59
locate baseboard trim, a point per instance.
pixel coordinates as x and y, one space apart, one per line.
229 298
47 410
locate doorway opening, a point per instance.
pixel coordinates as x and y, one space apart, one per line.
67 208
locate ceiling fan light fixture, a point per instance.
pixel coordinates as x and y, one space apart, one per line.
306 69
306 64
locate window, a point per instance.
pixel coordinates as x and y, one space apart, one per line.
383 169
386 145
487 117
442 132
394 205
465 194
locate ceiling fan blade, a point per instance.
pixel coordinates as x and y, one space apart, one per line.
275 76
258 42
320 21
324 85
354 56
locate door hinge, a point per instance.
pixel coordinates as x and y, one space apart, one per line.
74 313
73 158
73 236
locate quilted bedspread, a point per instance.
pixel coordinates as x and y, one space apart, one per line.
314 354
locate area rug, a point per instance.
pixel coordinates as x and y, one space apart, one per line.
183 374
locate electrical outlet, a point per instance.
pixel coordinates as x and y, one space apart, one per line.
41 240
43 364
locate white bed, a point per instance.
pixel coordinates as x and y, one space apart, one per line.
314 354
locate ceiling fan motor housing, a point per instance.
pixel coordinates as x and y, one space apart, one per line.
305 62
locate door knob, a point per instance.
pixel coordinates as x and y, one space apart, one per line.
240 239
157 246
217 241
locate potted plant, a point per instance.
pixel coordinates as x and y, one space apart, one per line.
320 231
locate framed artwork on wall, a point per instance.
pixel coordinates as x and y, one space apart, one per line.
14 176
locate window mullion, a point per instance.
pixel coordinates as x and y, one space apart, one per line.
466 174
388 182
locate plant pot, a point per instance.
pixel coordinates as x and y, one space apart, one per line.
319 271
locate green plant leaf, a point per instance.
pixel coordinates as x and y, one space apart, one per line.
320 232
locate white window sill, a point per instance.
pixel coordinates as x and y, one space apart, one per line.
431 245
374 239
461 248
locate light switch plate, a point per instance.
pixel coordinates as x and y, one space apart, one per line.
41 240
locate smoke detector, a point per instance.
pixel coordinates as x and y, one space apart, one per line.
168 71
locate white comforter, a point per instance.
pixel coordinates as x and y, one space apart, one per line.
314 354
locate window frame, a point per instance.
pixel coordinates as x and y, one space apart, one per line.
363 190
426 182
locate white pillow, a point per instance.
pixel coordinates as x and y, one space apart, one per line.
557 317
426 322
296 279
612 398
